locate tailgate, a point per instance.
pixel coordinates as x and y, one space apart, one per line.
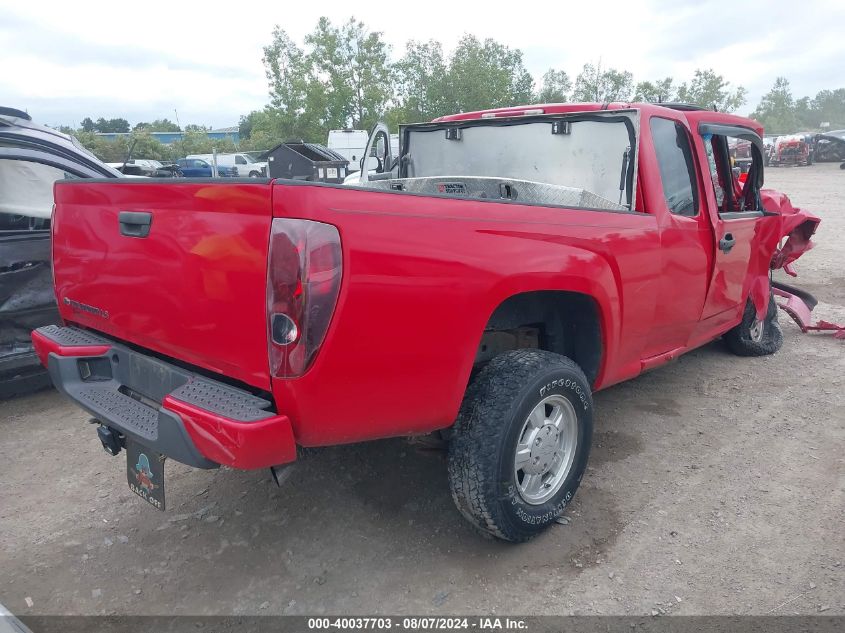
194 288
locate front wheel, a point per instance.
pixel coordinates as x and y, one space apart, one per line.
753 336
521 443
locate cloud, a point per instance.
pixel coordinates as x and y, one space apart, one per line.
758 41
63 61
51 45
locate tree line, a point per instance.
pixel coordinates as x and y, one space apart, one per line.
780 113
192 140
344 76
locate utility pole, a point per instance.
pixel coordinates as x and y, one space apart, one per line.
181 138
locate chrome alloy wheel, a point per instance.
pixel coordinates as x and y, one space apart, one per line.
755 332
545 449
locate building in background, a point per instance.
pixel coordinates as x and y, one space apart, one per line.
168 138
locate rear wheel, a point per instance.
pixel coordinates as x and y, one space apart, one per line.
753 336
521 443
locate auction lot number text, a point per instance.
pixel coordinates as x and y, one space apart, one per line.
418 624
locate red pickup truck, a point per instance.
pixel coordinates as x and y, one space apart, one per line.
480 286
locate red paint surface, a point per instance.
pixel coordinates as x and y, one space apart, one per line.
244 445
421 277
193 290
45 346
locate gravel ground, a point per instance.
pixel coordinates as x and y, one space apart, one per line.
715 487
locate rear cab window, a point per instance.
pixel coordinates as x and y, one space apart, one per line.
583 160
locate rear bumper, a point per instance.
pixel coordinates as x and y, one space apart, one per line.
180 414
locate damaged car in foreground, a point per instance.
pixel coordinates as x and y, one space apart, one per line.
32 158
478 287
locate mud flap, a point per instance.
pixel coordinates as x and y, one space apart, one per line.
145 473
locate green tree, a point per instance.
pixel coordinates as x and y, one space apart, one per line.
111 125
354 61
707 89
805 115
660 90
87 125
487 75
159 125
776 110
291 79
196 141
554 87
269 127
604 86
828 106
97 145
246 123
422 83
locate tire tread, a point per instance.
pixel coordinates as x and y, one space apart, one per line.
473 451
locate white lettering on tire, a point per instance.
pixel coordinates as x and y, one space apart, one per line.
567 384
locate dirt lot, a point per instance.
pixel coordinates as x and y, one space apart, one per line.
715 487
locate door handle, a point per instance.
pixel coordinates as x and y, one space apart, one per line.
727 243
135 223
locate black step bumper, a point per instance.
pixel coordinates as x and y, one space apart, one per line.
183 415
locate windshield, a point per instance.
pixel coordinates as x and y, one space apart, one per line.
591 152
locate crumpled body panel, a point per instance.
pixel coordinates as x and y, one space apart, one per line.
797 227
794 224
26 291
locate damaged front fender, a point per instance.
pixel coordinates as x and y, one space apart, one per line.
797 227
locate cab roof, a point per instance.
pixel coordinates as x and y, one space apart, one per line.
693 114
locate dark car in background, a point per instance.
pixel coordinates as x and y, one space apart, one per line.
32 158
830 146
168 169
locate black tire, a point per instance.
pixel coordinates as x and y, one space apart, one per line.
741 341
483 445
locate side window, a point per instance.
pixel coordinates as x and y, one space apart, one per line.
735 168
677 171
240 160
26 194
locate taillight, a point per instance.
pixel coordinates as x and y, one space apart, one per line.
303 281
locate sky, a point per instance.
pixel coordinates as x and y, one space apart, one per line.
201 61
